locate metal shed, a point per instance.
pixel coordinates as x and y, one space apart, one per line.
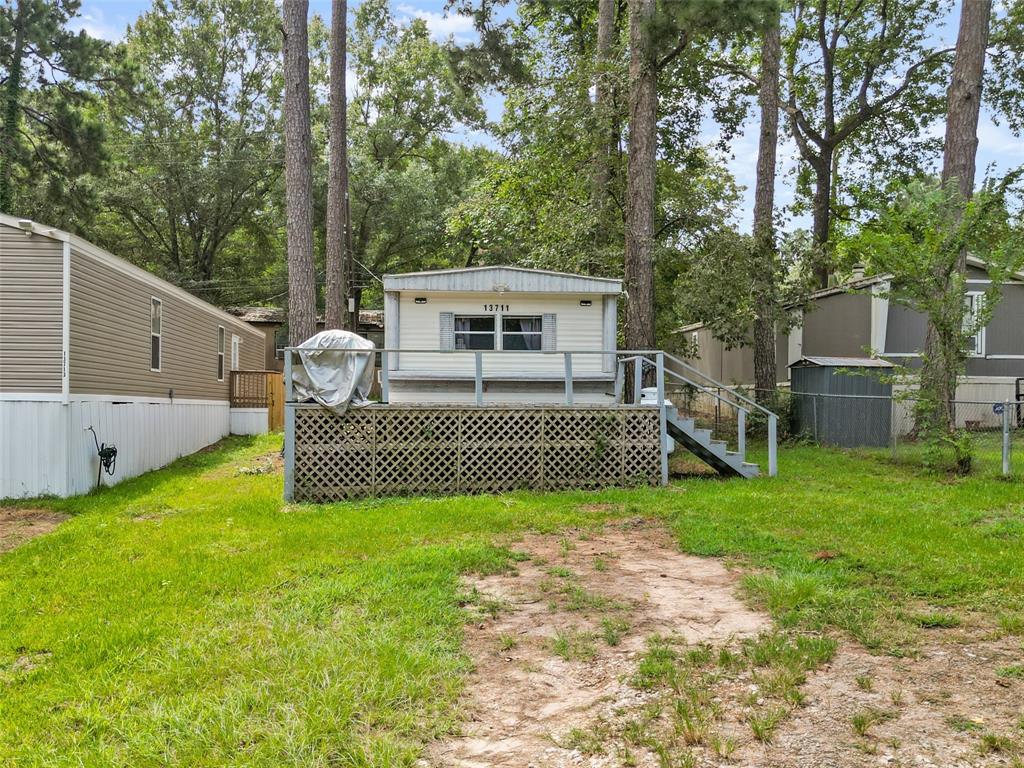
842 401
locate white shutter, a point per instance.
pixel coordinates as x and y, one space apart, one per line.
549 333
447 340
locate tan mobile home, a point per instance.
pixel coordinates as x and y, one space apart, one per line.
533 312
89 340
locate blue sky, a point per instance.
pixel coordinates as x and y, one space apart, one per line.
998 147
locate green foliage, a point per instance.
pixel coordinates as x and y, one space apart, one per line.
197 160
722 284
54 85
918 239
887 85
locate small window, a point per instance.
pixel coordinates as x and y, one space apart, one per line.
973 305
474 332
156 332
235 349
220 353
280 342
521 333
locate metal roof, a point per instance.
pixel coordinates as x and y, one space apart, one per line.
279 316
842 362
501 279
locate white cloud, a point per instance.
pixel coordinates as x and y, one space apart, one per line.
441 25
95 22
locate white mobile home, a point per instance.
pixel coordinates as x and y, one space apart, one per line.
89 340
534 313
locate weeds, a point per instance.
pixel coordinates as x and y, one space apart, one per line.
573 645
613 629
764 723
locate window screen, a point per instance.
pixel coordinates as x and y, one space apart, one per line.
521 333
474 332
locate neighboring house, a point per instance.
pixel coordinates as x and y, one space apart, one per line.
271 321
89 340
499 308
856 319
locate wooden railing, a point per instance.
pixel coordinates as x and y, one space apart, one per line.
249 389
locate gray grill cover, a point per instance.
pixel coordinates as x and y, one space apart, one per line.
332 376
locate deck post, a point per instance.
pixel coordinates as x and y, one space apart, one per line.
662 415
1006 438
568 378
289 429
638 378
385 382
620 375
773 448
478 377
741 433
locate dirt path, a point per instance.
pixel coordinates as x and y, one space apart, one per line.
19 525
524 696
615 649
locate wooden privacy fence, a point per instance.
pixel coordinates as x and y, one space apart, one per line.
398 449
259 389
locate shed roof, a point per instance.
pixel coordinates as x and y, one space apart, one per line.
841 362
508 279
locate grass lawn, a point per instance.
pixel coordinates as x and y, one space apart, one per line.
188 617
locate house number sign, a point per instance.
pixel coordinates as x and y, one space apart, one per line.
496 307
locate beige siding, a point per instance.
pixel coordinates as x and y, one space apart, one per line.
839 326
578 328
110 337
30 312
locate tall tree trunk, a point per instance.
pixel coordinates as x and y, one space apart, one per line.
764 209
604 118
336 314
822 214
12 93
640 175
298 163
944 356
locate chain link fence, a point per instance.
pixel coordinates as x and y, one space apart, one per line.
987 431
992 431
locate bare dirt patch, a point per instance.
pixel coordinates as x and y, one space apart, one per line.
614 649
947 707
19 525
546 663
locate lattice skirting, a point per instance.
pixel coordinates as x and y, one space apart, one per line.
412 450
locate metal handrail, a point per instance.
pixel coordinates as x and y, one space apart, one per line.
728 389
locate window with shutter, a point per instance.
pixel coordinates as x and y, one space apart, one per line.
549 333
447 341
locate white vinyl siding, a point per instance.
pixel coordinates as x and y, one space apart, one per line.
578 328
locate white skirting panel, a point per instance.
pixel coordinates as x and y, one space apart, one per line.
33 449
46 448
249 421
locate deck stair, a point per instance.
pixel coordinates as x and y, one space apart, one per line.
683 429
702 444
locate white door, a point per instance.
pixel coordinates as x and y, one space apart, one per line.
235 346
